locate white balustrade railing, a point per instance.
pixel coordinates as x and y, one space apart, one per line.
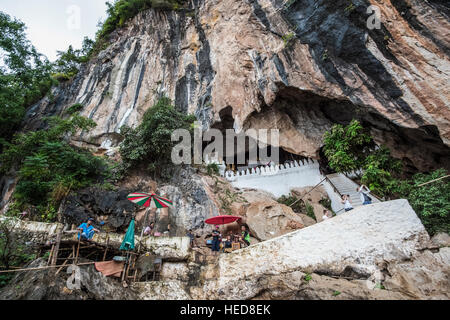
271 170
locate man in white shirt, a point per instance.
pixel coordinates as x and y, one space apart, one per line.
364 194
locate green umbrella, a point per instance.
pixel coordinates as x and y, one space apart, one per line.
128 241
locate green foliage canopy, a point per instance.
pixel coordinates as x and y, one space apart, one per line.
68 63
120 11
350 148
48 167
431 202
151 142
24 75
347 147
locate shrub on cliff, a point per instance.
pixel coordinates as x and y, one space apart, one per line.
347 147
351 148
150 143
48 167
69 62
431 202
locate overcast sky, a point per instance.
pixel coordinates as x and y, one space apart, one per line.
55 24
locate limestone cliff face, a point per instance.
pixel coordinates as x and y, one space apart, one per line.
265 64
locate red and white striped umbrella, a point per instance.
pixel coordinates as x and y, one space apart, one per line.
147 200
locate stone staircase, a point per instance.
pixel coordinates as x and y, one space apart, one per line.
344 185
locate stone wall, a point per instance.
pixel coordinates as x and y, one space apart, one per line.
30 231
168 248
278 179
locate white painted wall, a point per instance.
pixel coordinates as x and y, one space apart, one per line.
280 179
336 204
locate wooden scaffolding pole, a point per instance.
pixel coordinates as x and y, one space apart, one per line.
56 249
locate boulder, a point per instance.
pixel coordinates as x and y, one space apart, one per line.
441 240
425 275
174 271
308 221
313 198
161 290
356 244
112 207
269 219
193 203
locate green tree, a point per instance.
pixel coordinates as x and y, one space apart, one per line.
69 62
380 170
431 201
350 148
120 11
347 147
150 142
24 75
48 167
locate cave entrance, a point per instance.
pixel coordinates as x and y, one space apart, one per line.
310 115
249 154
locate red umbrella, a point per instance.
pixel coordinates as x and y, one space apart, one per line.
222 220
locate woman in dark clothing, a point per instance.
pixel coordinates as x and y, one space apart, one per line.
216 241
228 244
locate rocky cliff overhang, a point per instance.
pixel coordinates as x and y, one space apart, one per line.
263 64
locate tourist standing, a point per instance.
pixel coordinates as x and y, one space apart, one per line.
364 194
216 241
191 236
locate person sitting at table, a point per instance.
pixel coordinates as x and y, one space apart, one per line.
245 236
227 245
150 229
87 230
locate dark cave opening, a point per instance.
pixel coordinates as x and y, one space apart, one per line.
420 149
227 123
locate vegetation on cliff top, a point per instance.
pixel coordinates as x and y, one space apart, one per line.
120 11
27 76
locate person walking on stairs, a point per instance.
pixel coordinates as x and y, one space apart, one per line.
364 194
347 203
